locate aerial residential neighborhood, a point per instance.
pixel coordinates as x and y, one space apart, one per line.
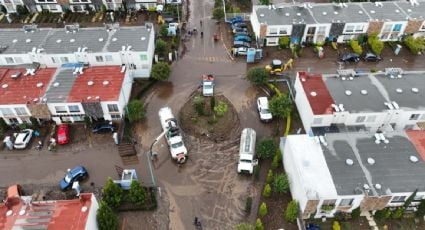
211 114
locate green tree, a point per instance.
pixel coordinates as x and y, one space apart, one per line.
281 183
163 31
382 214
244 226
375 44
277 159
410 199
267 190
263 210
291 212
160 47
415 45
137 194
356 47
112 194
106 218
421 209
284 42
265 148
336 226
218 13
355 214
265 2
281 106
398 213
258 76
136 110
220 109
259 224
161 71
270 177
198 104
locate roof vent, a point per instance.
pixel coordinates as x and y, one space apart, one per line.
143 38
4 86
366 187
324 13
15 40
370 161
28 40
397 11
56 84
349 162
336 13
72 40
58 41
9 213
22 212
372 12
415 90
413 159
336 108
35 99
97 97
287 14
363 91
348 92
398 90
90 83
88 98
100 39
313 94
378 186
261 15
303 80
39 85
105 82
350 78
84 209
114 39
399 76
409 10
360 12
298 14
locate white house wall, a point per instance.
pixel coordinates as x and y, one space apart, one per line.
91 223
404 119
255 23
18 59
55 115
303 105
326 35
21 118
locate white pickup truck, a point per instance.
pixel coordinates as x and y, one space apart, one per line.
247 160
173 135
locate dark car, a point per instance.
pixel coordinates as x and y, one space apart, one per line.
78 173
236 19
103 128
243 38
245 33
350 57
238 44
371 57
239 25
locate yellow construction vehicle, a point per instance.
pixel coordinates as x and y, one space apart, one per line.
160 20
277 68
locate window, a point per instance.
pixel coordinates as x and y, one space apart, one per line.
9 60
359 28
99 58
346 202
398 199
418 198
360 119
109 58
54 60
397 28
143 57
408 127
387 28
19 60
371 118
423 117
329 202
422 27
13 121
64 59
74 109
21 111
273 31
60 109
272 41
321 30
113 108
349 29
115 116
78 118
317 121
283 30
6 112
414 116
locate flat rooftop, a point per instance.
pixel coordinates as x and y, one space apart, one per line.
393 169
23 89
317 93
314 13
60 41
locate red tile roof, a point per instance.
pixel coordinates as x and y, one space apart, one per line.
417 137
317 93
106 84
23 89
54 215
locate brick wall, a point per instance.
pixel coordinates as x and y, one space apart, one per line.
371 203
375 27
263 30
310 208
413 26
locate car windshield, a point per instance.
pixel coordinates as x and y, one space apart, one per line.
67 178
245 161
176 145
207 86
265 111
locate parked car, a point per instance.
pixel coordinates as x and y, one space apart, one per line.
369 56
236 19
240 51
237 44
23 138
239 25
350 57
78 173
242 38
263 109
240 30
245 33
103 128
63 134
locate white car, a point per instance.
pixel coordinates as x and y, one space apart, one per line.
241 51
23 138
263 109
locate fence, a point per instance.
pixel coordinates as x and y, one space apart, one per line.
245 16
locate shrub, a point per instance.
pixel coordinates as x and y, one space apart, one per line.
356 47
257 172
112 194
281 106
398 213
336 226
161 71
284 42
291 212
244 226
415 45
198 103
212 103
375 44
88 121
382 214
265 148
267 190
163 30
160 47
277 159
136 110
259 224
106 218
263 210
220 109
265 2
281 183
421 209
258 76
3 126
218 13
248 205
342 216
137 193
270 177
355 214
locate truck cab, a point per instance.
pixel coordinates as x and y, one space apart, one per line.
247 160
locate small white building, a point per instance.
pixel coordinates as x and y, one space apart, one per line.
342 171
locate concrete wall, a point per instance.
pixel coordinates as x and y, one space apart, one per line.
91 223
303 105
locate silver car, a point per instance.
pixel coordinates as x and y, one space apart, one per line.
23 138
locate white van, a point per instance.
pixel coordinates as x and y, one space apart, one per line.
247 160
